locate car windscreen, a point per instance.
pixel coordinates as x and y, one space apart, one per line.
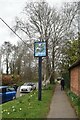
10 89
29 85
2 90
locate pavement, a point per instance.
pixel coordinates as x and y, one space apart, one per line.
60 106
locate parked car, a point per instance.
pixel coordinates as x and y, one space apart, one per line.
27 87
32 85
7 94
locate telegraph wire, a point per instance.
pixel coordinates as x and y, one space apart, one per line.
15 33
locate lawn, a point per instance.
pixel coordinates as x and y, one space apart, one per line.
75 101
28 105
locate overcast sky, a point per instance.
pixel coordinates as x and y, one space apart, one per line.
9 9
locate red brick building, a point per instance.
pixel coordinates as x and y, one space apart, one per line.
75 78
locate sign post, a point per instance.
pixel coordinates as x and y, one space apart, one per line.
40 79
40 51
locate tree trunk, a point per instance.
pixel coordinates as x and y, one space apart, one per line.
7 72
52 75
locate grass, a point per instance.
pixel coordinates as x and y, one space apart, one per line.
75 101
28 105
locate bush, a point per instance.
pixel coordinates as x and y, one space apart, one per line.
75 100
6 80
10 79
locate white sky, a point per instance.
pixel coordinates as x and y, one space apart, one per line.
9 9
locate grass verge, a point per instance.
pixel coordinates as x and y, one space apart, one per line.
75 101
28 105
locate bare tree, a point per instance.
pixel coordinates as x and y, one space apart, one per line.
79 30
39 23
6 50
43 23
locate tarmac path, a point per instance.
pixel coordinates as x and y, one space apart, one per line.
60 105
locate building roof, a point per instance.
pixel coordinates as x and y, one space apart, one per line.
77 63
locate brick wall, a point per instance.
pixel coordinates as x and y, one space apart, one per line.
75 80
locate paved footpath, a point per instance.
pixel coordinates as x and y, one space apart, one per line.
60 105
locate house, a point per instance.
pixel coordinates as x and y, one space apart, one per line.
75 78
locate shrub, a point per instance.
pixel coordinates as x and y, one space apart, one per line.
10 79
75 100
6 80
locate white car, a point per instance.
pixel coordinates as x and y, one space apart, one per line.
32 85
25 88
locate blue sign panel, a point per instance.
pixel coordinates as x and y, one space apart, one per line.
40 49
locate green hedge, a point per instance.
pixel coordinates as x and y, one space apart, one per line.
75 100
